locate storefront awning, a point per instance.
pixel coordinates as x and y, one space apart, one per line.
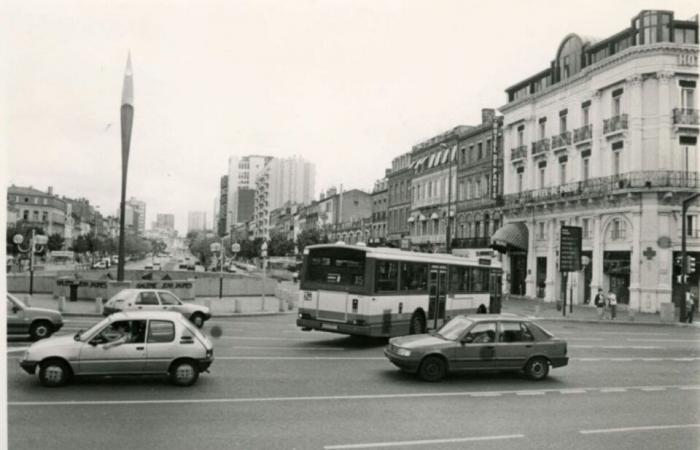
512 235
411 219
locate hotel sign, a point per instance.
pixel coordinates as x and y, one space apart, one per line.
570 249
687 60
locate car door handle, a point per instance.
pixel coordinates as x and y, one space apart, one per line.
528 346
140 307
140 348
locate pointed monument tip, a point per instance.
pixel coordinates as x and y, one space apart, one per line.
128 87
128 72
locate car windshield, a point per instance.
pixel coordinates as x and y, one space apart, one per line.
85 335
455 328
195 331
122 295
11 298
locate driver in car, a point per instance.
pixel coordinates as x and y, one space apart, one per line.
117 334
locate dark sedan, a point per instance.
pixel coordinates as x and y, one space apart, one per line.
479 343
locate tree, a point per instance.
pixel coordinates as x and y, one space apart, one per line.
280 246
56 242
310 237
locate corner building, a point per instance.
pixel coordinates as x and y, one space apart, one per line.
605 138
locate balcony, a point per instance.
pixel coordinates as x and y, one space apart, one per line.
561 141
540 147
478 242
583 134
684 116
615 124
518 153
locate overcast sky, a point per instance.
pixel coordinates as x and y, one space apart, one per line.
348 85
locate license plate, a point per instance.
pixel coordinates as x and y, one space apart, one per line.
329 326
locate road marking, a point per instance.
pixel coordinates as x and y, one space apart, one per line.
653 389
301 358
647 428
663 340
330 397
530 393
605 390
635 359
423 442
263 347
573 391
619 347
586 339
261 338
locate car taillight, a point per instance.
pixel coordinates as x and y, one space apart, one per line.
355 302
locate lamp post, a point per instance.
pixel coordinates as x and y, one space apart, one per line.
684 255
448 231
40 240
217 247
127 120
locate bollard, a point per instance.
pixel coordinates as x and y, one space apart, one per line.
262 305
61 303
98 305
237 306
281 308
632 313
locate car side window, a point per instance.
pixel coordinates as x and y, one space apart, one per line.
147 298
481 333
167 298
526 333
515 332
129 331
161 331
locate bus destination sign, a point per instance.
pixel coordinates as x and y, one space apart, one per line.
570 249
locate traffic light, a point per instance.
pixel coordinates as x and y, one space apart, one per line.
690 264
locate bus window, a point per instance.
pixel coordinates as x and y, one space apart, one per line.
339 267
387 276
414 276
477 281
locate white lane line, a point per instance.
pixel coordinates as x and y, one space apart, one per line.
647 428
663 340
264 347
301 358
573 391
653 389
620 347
605 390
320 398
423 442
530 393
585 339
635 359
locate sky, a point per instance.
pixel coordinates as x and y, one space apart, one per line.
347 85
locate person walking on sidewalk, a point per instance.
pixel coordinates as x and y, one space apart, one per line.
612 300
689 307
599 302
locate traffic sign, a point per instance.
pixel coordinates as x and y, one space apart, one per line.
18 239
236 247
570 249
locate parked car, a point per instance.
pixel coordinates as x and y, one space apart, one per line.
38 323
481 343
131 343
99 265
156 300
115 259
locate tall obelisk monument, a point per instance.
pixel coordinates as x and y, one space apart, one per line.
127 120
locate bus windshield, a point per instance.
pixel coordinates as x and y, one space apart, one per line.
336 266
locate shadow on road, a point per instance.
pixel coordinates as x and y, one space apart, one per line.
492 380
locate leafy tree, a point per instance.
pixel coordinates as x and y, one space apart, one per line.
310 237
56 242
279 245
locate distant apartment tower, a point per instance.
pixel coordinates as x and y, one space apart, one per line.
196 221
165 221
288 180
135 216
223 216
242 173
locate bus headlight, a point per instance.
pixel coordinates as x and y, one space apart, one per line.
403 352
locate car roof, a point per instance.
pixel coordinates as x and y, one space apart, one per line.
145 315
501 317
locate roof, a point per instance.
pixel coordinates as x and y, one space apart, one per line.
403 255
21 190
145 315
487 317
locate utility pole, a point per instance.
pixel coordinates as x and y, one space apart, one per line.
684 256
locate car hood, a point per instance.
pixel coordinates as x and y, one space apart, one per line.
54 345
421 341
43 311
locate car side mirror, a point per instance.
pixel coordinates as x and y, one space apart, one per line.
15 309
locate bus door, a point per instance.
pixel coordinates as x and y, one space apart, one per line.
495 295
437 295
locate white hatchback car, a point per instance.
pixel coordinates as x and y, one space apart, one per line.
156 300
131 343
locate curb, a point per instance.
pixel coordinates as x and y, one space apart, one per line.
615 322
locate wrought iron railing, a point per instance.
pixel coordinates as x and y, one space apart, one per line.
477 242
604 185
540 146
583 133
561 140
685 116
615 123
519 152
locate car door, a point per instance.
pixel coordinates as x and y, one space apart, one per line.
477 349
16 319
516 344
147 300
98 357
161 346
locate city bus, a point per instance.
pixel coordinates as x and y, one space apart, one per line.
379 291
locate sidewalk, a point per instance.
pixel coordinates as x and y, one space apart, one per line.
225 307
541 310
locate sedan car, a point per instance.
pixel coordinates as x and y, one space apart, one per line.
156 300
479 343
39 323
131 343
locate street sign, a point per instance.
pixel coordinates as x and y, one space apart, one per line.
214 247
18 239
235 248
570 249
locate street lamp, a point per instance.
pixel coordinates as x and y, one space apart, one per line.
217 247
448 244
36 240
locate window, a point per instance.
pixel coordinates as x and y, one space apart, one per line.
477 228
684 36
565 67
616 162
131 331
25 215
430 189
482 333
542 176
387 275
521 139
463 155
338 267
166 298
562 124
35 216
520 180
616 108
586 169
586 228
44 216
691 226
414 277
688 97
543 129
540 231
475 189
480 152
161 331
562 172
459 279
585 115
515 332
147 298
618 230
471 153
488 145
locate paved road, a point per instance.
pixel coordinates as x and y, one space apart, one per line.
273 386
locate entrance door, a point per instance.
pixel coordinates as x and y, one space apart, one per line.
518 272
541 276
437 295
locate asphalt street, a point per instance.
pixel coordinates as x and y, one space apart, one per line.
273 386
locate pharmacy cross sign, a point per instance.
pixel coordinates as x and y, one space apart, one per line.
649 253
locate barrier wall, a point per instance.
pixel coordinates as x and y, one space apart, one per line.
20 283
209 287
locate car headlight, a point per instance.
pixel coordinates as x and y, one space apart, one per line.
26 355
403 352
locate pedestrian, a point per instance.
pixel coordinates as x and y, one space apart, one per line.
612 300
689 306
599 302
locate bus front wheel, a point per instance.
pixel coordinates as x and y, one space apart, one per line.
417 325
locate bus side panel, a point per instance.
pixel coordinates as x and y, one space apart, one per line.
465 304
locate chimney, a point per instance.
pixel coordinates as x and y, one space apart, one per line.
487 115
50 190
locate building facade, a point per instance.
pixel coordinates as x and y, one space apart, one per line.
223 218
165 222
196 221
378 232
479 186
135 216
399 200
36 208
242 173
605 139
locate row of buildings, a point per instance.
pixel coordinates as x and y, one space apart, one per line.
604 138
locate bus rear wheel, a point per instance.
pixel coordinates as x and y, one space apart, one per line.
417 324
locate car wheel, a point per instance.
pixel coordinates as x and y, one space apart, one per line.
54 373
197 319
433 368
417 324
40 329
537 368
184 373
